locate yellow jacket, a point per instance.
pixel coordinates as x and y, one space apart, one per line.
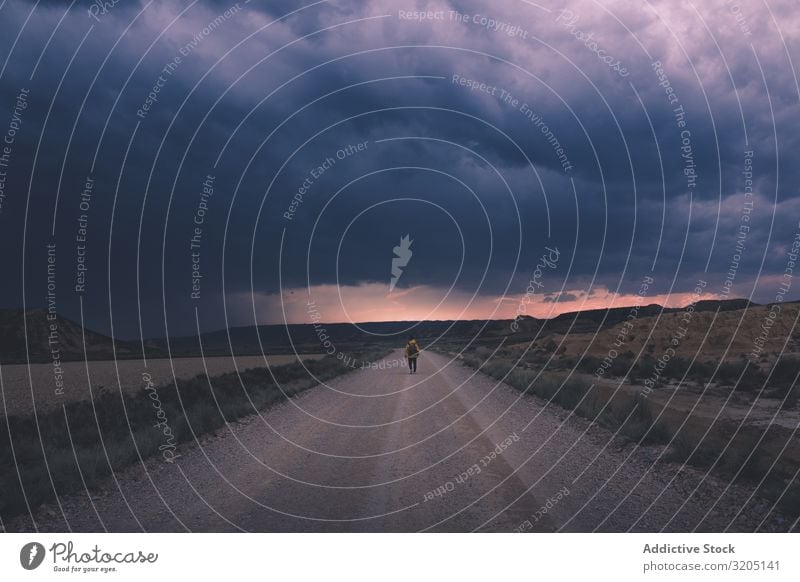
412 349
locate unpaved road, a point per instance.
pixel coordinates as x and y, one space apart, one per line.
366 452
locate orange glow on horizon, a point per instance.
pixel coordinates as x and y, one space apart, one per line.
374 303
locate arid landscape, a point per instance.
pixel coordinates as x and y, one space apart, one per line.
721 427
374 266
444 450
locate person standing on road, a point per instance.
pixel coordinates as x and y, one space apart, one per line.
412 353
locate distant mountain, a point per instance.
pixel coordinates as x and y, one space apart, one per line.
275 339
69 339
707 335
303 338
592 320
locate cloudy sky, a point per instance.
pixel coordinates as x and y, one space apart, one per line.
245 159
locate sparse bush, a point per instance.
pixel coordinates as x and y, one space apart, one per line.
621 365
588 364
685 450
752 380
643 368
566 363
702 371
571 392
729 372
633 418
783 376
790 402
677 368
790 500
641 426
483 352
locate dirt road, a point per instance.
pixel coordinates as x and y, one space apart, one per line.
382 450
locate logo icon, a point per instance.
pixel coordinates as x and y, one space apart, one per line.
403 254
31 555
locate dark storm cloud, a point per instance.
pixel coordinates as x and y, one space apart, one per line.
242 88
560 298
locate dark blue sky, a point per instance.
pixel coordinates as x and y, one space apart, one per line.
488 131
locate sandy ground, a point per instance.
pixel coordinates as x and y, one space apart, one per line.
17 385
383 450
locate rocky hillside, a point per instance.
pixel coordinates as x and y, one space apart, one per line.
709 335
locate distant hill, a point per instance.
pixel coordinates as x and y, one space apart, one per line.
306 338
277 339
594 320
730 334
70 339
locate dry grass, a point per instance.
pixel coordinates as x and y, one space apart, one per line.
735 436
738 328
18 384
61 451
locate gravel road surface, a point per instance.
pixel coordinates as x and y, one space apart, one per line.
447 449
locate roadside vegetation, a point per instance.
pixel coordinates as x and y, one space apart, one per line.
630 415
67 450
749 454
778 380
